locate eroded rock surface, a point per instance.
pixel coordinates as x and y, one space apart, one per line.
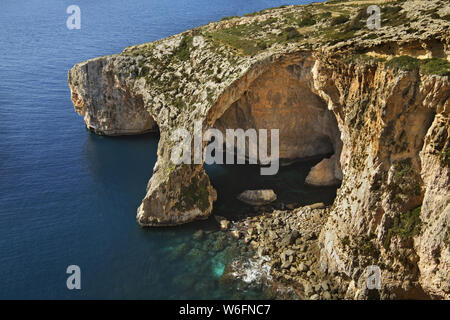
100 94
282 98
326 173
257 197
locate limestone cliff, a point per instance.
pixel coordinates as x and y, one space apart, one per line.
394 160
377 99
101 95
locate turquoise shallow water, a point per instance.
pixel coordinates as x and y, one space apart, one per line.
70 197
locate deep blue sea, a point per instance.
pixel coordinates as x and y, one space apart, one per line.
69 197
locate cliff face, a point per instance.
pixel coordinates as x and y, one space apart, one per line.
376 99
100 94
394 160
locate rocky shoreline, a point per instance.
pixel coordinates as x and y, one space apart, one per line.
264 255
286 244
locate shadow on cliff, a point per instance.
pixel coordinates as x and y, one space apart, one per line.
288 184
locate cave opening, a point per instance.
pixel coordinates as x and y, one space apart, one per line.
281 98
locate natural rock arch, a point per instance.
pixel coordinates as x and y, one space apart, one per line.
282 97
267 96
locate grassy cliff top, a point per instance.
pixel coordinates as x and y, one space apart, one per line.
331 23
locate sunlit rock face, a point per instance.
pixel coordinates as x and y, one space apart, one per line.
395 133
101 95
326 173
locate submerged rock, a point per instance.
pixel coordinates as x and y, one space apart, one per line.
257 197
198 235
224 223
178 252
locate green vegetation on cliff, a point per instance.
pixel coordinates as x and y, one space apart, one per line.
440 67
195 194
184 49
362 59
406 225
445 156
403 63
405 182
434 66
243 38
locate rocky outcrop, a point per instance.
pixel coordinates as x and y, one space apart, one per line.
257 197
377 100
326 173
287 244
100 94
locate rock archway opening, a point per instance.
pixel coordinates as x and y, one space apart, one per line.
282 98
